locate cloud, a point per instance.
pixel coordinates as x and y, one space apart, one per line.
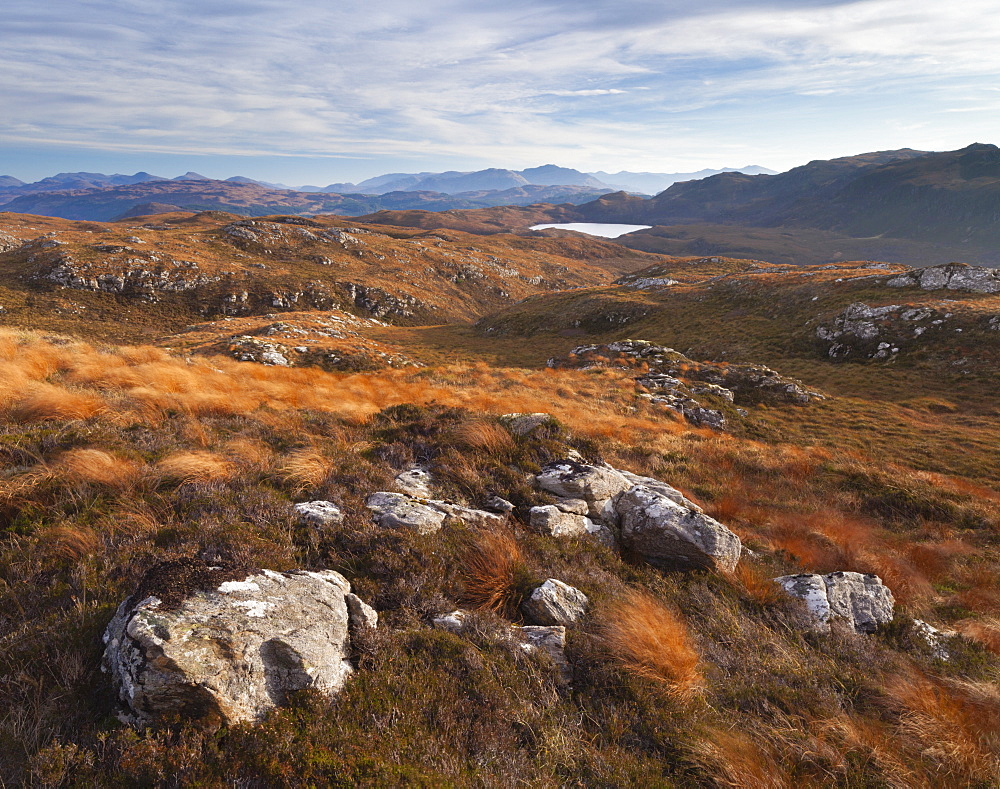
454 78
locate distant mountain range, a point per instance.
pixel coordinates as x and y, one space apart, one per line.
100 197
455 182
253 199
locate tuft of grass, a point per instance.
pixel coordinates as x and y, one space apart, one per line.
304 469
45 402
756 584
954 724
484 436
651 641
494 574
94 467
68 543
198 466
986 631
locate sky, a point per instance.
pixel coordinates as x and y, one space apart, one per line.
315 92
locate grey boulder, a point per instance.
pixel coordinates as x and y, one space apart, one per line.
569 479
672 536
398 510
555 603
862 600
229 653
551 520
319 513
425 516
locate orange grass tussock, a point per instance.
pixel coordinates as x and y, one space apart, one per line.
652 641
304 469
94 467
185 467
40 402
954 722
494 574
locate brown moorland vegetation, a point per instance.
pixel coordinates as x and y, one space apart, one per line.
679 680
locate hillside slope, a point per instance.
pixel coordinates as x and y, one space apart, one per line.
555 462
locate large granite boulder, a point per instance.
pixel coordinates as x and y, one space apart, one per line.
673 536
862 600
224 646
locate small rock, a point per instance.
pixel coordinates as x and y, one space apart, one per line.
555 603
359 613
319 513
525 424
556 523
935 638
551 640
453 622
394 510
415 482
500 505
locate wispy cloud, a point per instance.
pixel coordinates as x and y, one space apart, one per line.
590 83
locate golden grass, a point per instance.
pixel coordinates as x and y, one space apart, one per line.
304 469
493 573
756 584
955 723
198 466
484 436
736 762
94 467
42 402
651 641
986 631
69 543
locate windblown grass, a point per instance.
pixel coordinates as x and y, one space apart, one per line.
651 641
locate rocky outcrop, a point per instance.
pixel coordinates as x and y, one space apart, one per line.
952 276
425 516
674 380
555 603
646 516
862 331
225 647
8 242
253 349
861 600
669 535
